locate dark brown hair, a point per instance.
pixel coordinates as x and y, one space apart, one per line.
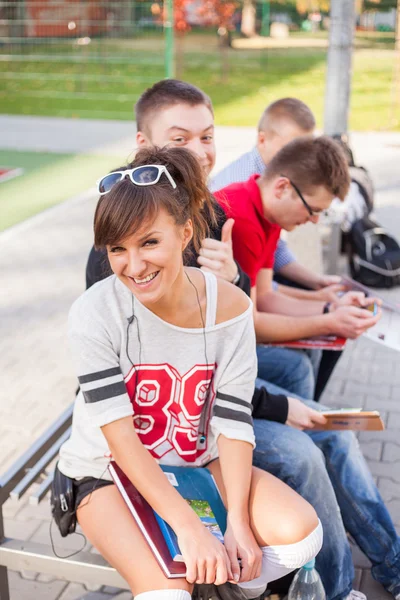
164 94
310 163
284 110
127 208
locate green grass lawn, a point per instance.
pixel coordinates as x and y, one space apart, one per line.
47 180
104 79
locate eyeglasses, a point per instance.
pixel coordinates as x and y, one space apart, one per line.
311 212
141 176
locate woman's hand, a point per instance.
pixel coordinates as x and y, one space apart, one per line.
241 544
205 557
301 416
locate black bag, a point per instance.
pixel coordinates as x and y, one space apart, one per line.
374 255
362 178
358 174
63 503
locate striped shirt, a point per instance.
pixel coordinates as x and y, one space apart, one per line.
240 170
182 387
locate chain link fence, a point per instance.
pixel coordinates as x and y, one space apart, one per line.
93 58
86 55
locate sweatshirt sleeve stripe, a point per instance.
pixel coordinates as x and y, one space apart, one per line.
232 415
105 392
99 375
244 409
101 383
233 399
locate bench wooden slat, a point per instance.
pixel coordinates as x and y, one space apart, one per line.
42 490
15 473
36 470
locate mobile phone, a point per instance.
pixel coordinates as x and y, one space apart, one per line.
372 308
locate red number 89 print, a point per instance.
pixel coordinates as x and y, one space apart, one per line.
168 408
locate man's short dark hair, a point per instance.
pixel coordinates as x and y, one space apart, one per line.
164 94
310 163
287 110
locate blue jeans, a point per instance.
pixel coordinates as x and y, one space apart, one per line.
292 370
328 469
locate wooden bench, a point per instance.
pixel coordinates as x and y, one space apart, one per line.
19 555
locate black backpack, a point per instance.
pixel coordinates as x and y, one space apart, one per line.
374 255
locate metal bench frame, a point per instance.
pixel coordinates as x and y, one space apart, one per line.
19 555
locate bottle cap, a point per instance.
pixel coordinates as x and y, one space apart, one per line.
310 565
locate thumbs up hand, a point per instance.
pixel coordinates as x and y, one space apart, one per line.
226 232
217 256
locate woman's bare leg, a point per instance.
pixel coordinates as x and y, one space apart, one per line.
278 515
108 524
285 526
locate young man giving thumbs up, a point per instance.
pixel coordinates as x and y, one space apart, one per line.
173 113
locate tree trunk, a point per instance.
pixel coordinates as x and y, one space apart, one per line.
338 81
248 27
224 43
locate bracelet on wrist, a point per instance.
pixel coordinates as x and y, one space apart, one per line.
327 307
236 279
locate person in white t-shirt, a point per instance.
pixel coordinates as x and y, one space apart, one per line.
165 356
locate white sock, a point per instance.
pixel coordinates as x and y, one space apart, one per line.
164 595
278 561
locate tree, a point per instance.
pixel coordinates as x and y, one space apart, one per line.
213 13
219 14
338 80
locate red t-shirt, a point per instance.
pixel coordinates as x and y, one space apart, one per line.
254 237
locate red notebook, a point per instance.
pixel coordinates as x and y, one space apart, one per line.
147 522
322 342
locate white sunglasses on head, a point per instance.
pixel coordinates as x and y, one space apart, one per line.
141 176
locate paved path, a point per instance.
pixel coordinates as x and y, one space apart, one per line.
42 264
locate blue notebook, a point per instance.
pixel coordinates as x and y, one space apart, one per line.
198 487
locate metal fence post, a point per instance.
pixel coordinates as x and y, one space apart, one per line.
169 39
265 17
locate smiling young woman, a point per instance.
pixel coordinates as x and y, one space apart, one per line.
158 324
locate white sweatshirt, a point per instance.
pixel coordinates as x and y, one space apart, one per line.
183 387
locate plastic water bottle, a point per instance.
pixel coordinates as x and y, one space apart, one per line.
307 584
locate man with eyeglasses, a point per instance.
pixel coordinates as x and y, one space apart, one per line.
298 184
281 122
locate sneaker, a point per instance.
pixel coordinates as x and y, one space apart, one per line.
354 595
